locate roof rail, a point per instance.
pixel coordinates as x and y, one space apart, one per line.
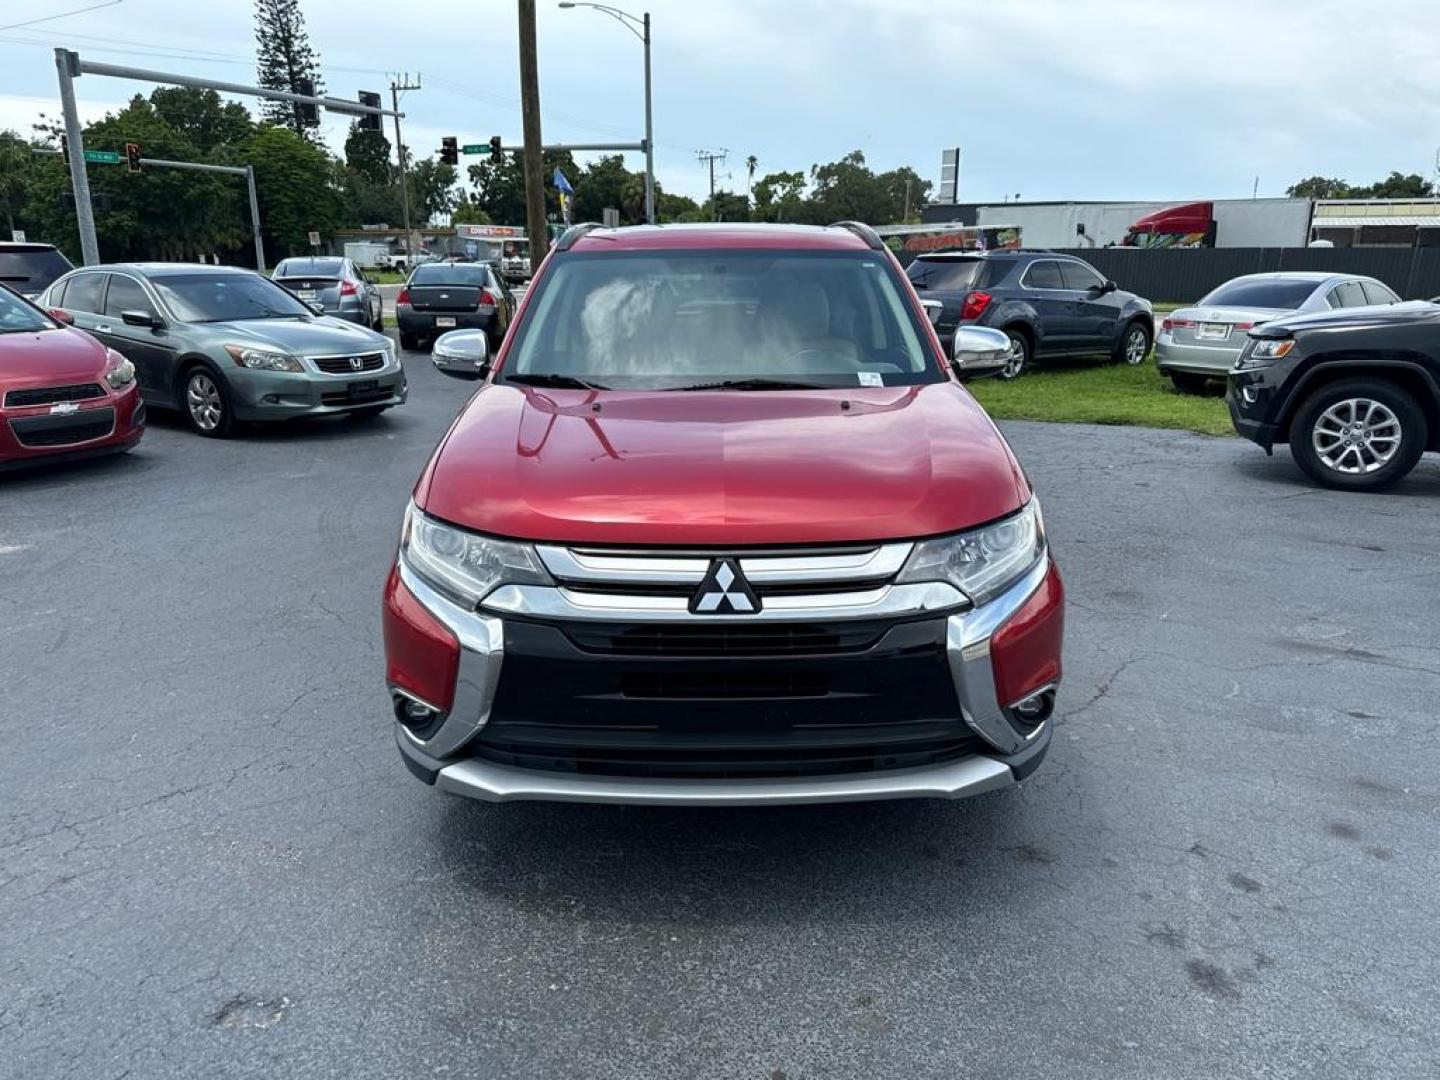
575 232
864 232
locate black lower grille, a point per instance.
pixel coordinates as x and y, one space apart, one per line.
356 397
64 430
50 395
724 639
561 708
341 365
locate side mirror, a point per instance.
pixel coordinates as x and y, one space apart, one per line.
980 350
60 315
462 354
316 306
141 318
1108 287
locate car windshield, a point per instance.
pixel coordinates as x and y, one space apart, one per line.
31 270
18 317
221 297
1261 294
291 268
721 319
944 273
449 274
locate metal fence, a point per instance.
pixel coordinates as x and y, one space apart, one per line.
1186 274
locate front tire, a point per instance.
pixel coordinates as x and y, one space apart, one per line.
1358 434
206 401
1134 345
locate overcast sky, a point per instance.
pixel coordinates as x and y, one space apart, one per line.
1051 99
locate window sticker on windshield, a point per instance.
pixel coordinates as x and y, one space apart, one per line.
870 378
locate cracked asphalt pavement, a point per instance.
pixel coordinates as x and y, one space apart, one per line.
212 862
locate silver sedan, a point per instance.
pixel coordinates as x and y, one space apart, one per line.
1199 343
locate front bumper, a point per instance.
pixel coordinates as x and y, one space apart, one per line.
957 698
40 434
276 395
1211 360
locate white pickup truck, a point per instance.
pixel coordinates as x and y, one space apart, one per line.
401 261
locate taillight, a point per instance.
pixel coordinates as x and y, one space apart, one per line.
421 654
487 297
1025 651
1244 326
404 297
1167 324
974 306
1179 324
347 288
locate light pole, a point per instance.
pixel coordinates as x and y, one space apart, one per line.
641 29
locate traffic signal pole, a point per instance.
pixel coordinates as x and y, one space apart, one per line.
69 66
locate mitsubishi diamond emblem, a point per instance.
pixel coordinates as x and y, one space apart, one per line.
724 591
356 364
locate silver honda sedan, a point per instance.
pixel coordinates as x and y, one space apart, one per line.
1199 343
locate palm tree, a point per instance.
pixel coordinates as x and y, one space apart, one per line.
751 164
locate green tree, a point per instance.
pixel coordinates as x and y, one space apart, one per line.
907 193
726 206
202 117
283 56
468 212
847 190
1319 187
606 182
675 208
1398 186
780 196
368 154
432 188
293 179
499 189
16 177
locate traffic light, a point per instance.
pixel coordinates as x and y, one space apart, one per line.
132 156
369 121
449 150
306 113
497 155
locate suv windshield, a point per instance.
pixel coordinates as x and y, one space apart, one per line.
678 320
449 274
945 274
31 270
1261 294
18 317
221 297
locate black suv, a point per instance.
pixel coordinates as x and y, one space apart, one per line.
1048 304
30 269
1355 392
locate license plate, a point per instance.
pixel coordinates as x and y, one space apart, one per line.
1213 331
368 386
444 320
305 294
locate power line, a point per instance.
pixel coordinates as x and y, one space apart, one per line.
709 157
62 15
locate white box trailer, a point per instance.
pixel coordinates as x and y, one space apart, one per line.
1217 223
366 253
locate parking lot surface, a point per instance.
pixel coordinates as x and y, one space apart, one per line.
212 862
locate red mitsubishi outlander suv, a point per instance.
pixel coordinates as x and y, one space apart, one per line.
721 526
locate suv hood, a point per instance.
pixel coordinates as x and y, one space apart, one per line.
1411 311
725 468
315 337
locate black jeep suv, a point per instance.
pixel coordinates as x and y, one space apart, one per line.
1355 392
1048 304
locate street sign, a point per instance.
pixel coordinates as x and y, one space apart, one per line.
314 238
17 235
475 148
102 157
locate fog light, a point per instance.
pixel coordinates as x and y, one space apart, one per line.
1029 713
1250 394
271 399
415 715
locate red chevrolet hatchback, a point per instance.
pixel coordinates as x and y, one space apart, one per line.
62 393
721 526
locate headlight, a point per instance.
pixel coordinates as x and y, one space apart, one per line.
983 562
248 356
1265 351
118 371
462 564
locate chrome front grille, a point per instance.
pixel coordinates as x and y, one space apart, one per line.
347 364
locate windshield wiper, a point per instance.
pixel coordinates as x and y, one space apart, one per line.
753 384
554 381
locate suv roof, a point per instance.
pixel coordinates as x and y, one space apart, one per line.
720 235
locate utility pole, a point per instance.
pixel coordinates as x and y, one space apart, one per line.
535 228
396 88
649 135
709 158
